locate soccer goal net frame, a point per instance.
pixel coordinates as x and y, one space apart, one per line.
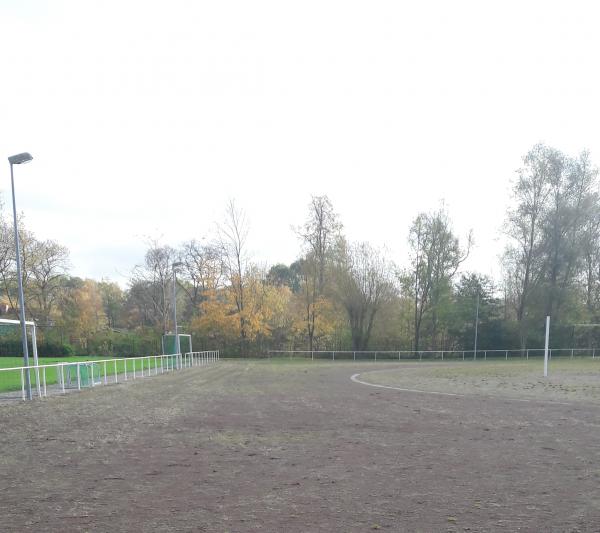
169 345
29 326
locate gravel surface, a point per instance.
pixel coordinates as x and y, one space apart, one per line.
296 447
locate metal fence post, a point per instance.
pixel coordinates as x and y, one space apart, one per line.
78 378
116 378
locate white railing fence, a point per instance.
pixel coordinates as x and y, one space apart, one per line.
64 376
441 355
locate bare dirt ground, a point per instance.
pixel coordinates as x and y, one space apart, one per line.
297 448
567 380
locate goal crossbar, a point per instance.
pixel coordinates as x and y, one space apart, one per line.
11 321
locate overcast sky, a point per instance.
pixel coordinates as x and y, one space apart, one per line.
144 118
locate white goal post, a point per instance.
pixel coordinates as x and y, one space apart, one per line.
31 325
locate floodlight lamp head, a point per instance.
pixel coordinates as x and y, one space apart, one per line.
20 159
177 264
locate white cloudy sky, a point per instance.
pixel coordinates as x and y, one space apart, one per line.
145 117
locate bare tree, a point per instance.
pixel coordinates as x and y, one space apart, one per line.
233 234
7 258
113 300
364 284
8 265
523 259
550 230
151 283
571 206
204 270
48 269
319 234
435 255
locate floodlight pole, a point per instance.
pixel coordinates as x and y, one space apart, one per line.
177 345
20 280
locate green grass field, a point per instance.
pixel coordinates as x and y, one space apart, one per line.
11 380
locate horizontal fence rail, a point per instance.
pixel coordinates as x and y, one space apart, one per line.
441 355
60 378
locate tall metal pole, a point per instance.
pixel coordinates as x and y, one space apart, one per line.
177 346
476 327
21 297
546 347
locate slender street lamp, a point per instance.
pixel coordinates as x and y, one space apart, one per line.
476 327
20 159
177 345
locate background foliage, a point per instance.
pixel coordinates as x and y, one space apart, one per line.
337 294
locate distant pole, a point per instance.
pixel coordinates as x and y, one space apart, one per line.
546 347
476 326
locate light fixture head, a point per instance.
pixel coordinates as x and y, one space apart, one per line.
19 159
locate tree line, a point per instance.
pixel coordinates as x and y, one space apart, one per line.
339 294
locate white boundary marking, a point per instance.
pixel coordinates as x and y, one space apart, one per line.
355 377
